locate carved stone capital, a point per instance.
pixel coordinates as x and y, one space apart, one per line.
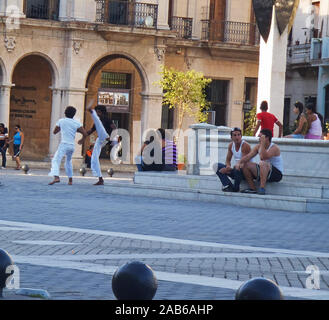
160 52
10 43
188 60
77 44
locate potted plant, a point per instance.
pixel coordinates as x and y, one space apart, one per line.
181 165
184 92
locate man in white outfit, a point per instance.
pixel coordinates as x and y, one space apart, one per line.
68 128
103 126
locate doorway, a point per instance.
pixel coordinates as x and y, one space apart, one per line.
30 105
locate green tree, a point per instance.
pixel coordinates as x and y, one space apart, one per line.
185 92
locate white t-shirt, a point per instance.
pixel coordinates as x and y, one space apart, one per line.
69 128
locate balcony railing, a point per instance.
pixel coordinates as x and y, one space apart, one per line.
40 9
230 32
143 15
183 26
299 54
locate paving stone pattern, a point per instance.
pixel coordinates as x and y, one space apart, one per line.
87 223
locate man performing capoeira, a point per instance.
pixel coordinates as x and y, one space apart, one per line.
68 128
103 127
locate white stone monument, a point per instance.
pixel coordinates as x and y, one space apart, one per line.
274 19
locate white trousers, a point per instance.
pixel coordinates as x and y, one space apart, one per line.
99 144
64 149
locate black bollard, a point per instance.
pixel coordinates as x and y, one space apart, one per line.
134 281
110 172
259 289
25 168
82 171
5 262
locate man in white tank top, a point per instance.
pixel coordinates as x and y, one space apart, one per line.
270 168
236 150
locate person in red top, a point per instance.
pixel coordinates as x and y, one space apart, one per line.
266 120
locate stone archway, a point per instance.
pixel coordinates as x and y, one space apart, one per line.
31 104
117 74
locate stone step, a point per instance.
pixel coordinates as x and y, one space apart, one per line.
77 163
212 183
290 176
273 202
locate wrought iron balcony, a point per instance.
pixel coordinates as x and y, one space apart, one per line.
41 9
143 15
183 26
230 32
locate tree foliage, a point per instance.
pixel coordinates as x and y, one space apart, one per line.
250 121
185 92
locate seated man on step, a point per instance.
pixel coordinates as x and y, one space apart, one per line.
270 167
236 149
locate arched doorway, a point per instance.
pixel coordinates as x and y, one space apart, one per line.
116 82
31 103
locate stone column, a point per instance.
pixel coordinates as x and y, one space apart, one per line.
202 153
56 113
61 99
193 13
234 107
66 10
15 3
272 71
163 8
5 103
151 111
12 7
75 97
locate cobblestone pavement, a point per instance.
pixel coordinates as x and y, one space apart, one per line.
69 240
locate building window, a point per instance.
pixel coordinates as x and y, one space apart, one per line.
115 80
42 9
216 94
124 12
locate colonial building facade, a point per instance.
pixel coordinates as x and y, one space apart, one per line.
55 53
307 74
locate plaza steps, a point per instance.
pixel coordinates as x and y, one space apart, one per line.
287 195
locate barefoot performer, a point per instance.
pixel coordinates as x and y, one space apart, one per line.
68 128
103 127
